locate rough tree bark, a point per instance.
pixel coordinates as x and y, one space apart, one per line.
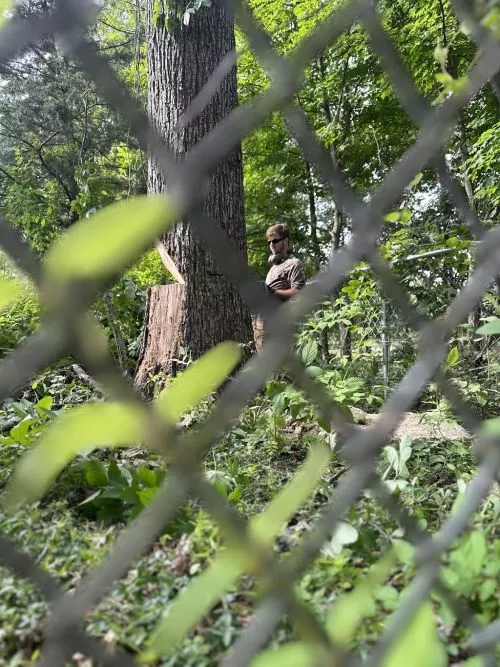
205 309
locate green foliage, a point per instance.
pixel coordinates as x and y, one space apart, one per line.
492 327
99 425
118 492
82 428
90 172
19 309
397 459
419 643
10 291
231 564
198 381
72 529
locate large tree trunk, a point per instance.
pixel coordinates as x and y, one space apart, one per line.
181 59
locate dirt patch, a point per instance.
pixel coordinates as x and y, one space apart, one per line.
419 426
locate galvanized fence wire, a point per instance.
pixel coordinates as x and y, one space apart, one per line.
65 331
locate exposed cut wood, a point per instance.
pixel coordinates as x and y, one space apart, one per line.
161 333
258 331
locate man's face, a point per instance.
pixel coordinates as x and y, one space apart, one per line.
277 244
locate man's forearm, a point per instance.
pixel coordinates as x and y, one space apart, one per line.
286 293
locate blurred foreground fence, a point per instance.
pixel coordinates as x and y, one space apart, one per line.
66 329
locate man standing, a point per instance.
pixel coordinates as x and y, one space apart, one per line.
286 276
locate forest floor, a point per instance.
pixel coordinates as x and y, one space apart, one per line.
68 536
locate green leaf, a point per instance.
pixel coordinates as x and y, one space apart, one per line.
492 21
95 473
10 291
204 592
20 431
344 534
416 180
147 476
116 473
393 216
294 654
389 597
419 644
197 381
349 610
80 429
471 554
488 589
476 661
489 329
491 427
441 54
453 356
107 241
147 495
4 5
309 352
44 405
404 551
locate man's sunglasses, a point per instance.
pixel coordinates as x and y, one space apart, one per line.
275 241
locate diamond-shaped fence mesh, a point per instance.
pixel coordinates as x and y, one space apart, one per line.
63 331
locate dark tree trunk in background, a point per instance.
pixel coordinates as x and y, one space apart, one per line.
180 60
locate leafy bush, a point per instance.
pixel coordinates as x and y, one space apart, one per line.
18 321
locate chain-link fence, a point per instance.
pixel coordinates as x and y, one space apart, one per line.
63 331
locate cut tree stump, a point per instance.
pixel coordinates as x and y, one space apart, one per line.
258 330
160 347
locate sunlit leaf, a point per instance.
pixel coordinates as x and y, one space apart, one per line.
107 241
416 180
198 381
419 644
453 356
80 429
441 54
4 6
204 592
10 291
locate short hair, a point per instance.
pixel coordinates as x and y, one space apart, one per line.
280 229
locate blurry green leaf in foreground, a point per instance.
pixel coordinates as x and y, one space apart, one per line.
198 381
204 592
107 241
491 427
81 429
294 654
4 5
418 644
350 609
10 291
